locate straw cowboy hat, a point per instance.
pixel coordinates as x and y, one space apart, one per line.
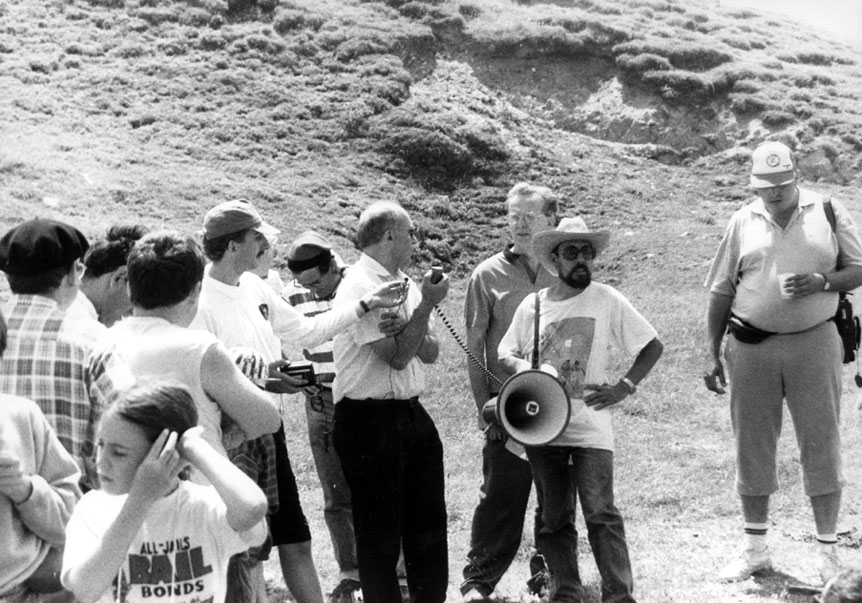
569 229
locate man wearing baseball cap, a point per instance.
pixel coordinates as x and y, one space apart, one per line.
773 285
239 308
47 351
580 320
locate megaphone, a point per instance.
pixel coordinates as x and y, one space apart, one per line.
532 407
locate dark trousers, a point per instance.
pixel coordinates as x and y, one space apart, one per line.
591 473
393 462
498 520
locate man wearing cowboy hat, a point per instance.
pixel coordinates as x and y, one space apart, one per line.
578 319
783 347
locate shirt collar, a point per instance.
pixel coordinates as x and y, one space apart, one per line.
510 255
375 267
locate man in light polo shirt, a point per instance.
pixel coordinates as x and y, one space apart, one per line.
774 285
496 288
388 444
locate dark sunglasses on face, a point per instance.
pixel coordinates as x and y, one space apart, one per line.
571 252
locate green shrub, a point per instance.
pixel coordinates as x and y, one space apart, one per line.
735 42
746 104
431 151
802 111
436 146
776 118
642 63
156 16
570 24
357 47
746 86
469 11
196 17
211 41
686 56
415 10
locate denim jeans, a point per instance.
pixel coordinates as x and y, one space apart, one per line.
498 521
393 461
337 512
592 475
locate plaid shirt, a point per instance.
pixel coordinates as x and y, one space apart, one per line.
46 361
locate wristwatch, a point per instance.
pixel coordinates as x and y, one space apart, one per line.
827 286
629 384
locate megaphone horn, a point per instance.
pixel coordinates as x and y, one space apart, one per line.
532 407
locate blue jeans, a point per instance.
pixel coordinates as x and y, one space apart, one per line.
393 461
337 512
498 521
592 475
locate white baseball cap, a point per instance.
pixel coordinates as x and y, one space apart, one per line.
772 165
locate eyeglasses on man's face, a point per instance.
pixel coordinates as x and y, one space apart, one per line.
571 252
528 217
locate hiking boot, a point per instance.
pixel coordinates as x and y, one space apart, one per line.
347 591
750 561
539 584
828 563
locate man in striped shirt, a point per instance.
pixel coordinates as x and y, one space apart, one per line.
317 273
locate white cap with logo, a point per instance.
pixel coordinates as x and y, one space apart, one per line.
772 165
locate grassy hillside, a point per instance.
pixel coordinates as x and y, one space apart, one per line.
640 113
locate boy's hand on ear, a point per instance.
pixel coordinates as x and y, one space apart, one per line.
157 473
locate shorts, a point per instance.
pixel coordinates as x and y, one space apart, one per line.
802 370
288 525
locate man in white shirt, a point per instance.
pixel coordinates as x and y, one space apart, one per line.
388 444
241 310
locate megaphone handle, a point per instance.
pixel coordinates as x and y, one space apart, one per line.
535 357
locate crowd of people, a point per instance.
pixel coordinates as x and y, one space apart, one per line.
143 377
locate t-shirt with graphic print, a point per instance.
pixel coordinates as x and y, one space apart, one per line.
575 337
180 553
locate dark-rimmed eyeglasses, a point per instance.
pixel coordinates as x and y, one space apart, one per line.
571 252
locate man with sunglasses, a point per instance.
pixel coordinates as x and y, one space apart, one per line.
494 291
579 320
783 346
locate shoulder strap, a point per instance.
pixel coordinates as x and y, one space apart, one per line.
830 212
830 216
535 359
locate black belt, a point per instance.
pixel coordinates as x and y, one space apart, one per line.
379 401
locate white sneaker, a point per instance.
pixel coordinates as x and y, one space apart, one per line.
828 563
748 562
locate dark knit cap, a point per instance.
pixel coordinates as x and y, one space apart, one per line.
40 245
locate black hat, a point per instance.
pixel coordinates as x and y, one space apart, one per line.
309 250
40 245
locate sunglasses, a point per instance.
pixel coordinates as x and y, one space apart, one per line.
571 252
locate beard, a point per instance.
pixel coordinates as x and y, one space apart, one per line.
578 277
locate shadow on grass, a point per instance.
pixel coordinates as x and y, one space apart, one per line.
772 584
